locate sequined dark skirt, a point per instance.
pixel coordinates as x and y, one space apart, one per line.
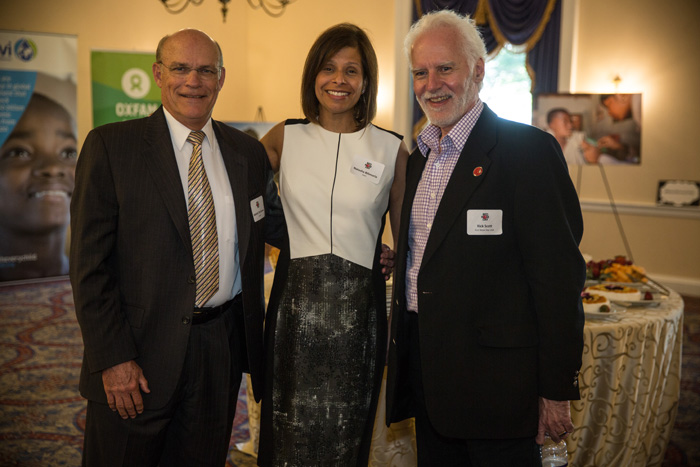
324 363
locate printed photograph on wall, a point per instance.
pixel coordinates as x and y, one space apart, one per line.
593 128
38 152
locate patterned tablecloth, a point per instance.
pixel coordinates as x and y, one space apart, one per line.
630 384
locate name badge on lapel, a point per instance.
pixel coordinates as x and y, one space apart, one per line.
484 222
367 169
257 207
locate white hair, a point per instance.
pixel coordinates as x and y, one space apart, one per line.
464 27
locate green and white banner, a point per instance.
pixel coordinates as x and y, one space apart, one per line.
123 87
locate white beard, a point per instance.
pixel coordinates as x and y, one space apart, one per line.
460 106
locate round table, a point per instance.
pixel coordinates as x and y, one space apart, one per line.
630 384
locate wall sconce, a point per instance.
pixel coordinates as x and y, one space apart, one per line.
274 8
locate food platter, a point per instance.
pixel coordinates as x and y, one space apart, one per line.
655 300
642 287
618 306
624 278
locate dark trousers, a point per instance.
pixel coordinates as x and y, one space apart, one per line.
437 450
194 428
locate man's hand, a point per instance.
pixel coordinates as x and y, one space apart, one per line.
387 261
122 383
610 142
555 420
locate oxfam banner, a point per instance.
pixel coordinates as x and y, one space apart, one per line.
123 87
38 150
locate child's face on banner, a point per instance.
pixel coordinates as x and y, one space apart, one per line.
37 170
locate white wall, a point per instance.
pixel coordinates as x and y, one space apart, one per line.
653 48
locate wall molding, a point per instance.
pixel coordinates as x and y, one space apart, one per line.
640 209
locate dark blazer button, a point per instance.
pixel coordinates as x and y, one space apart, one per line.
185 320
191 279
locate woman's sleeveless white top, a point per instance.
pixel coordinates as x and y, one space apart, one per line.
335 189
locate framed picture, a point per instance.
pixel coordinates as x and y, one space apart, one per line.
593 128
678 193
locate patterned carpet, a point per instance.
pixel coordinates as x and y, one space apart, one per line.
684 448
42 416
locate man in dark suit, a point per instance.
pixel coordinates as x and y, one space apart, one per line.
486 336
168 222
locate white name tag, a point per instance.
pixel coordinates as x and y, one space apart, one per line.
257 208
369 170
484 222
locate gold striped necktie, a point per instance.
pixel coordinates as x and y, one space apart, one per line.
202 219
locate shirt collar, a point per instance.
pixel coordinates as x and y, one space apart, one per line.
429 138
179 132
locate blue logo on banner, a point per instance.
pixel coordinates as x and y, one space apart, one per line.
16 88
25 49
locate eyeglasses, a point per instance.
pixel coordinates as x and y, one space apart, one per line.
204 72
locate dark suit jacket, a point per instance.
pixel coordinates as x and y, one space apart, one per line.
500 316
131 264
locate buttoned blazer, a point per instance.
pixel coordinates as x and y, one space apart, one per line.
500 316
131 263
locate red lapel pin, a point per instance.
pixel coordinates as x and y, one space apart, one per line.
478 171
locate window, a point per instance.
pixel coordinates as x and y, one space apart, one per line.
507 86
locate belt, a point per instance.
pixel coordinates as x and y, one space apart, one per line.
202 315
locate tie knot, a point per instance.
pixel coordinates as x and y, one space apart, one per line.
196 137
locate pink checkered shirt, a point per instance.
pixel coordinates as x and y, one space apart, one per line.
442 158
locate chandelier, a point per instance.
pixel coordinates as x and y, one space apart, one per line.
273 8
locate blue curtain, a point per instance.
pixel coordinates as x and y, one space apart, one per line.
532 24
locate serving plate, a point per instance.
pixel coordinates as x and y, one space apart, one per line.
641 286
614 311
638 303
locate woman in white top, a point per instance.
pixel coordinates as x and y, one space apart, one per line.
326 323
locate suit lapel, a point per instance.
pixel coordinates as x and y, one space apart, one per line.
463 181
162 165
237 169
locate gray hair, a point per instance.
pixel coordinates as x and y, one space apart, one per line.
463 26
